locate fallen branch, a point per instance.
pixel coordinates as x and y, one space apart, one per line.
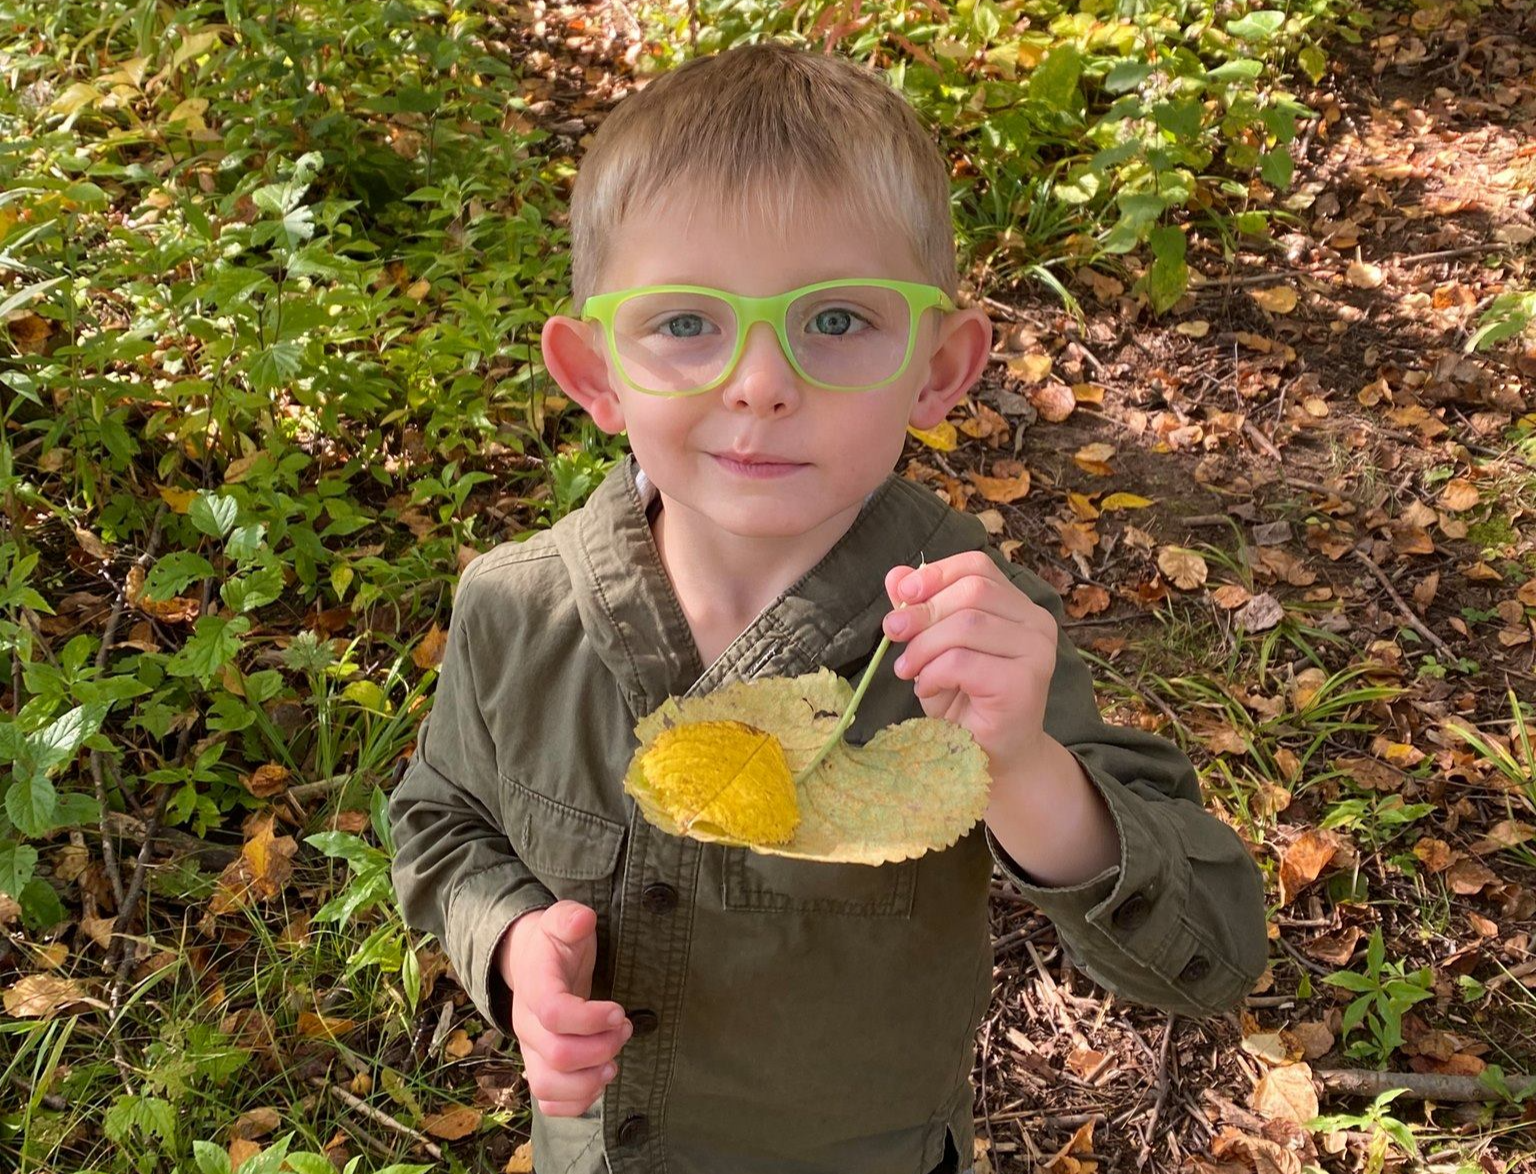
128 827
380 1116
1414 622
1425 1086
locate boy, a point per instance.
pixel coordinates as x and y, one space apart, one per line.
695 1009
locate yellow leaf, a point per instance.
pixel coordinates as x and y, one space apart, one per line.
75 99
1125 501
521 1161
1277 299
195 45
1094 458
941 436
723 777
190 112
1458 495
313 1026
1031 368
914 787
180 500
1194 328
452 1123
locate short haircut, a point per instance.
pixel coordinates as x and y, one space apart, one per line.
772 131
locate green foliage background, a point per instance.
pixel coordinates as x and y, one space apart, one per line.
271 279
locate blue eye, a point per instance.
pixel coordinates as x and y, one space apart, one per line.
684 326
837 322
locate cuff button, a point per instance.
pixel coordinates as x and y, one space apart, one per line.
1195 969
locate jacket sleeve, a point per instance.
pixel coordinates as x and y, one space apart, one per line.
1179 922
455 871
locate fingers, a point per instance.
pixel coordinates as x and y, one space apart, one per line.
574 1088
909 584
970 633
566 951
564 1108
567 1052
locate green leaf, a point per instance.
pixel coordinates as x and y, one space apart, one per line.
1054 81
32 804
58 742
211 1159
17 864
40 905
213 513
214 643
1243 69
1257 26
1277 168
1350 981
1313 62
171 574
1168 277
1126 74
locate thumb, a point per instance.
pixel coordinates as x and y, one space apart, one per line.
572 930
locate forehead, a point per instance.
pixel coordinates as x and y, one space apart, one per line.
756 242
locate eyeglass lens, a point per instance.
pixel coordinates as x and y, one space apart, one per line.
849 337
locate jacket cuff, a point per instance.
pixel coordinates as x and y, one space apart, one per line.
1132 928
490 901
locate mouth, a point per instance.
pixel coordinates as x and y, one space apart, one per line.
757 464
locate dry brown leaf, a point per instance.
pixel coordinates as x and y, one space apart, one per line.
452 1123
37 996
1286 1093
1336 948
991 521
1094 458
1304 860
1194 328
259 873
1010 482
242 1150
1277 299
1436 855
428 653
266 780
1458 495
521 1161
1184 567
458 1045
1230 595
1467 877
1054 401
315 1026
1315 1038
29 332
256 1123
1086 599
1507 833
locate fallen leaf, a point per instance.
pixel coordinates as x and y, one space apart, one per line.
1086 599
1315 1038
1012 483
1459 495
1286 1093
458 1045
241 1151
428 653
258 873
452 1123
941 437
521 1161
256 1123
1277 299
1125 501
1185 568
1468 877
1194 328
315 1026
1094 458
1031 368
37 996
1304 859
266 780
1261 613
1054 401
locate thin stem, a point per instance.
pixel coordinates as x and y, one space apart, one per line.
848 714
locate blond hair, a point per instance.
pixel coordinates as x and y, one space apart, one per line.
769 131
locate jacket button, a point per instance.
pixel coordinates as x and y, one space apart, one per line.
659 898
1195 969
634 1130
644 1022
1132 912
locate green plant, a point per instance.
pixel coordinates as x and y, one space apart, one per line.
1384 1130
1384 991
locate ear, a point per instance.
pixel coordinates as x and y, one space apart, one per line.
959 357
575 357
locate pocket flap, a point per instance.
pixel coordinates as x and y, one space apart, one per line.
559 841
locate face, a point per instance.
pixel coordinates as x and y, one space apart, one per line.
820 452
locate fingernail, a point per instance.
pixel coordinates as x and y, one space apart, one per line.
616 1018
896 625
910 587
901 665
610 1072
629 1029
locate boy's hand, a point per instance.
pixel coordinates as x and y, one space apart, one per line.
980 652
568 1041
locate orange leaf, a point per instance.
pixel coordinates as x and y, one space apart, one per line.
1304 860
428 654
452 1123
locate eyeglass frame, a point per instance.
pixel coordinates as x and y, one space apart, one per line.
774 310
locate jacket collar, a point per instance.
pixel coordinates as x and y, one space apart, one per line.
831 616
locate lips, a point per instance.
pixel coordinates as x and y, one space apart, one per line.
756 458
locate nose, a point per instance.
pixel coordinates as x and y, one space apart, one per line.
764 381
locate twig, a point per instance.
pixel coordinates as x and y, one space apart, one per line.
1250 430
1162 1090
1427 1086
1513 974
1053 996
128 827
379 1116
321 787
1414 622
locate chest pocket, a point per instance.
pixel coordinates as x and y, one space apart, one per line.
757 883
573 853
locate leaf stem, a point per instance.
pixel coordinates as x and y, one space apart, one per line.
848 714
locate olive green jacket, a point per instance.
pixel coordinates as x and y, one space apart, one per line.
790 1017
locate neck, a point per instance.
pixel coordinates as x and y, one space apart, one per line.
723 580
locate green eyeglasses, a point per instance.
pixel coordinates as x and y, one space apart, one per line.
852 335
